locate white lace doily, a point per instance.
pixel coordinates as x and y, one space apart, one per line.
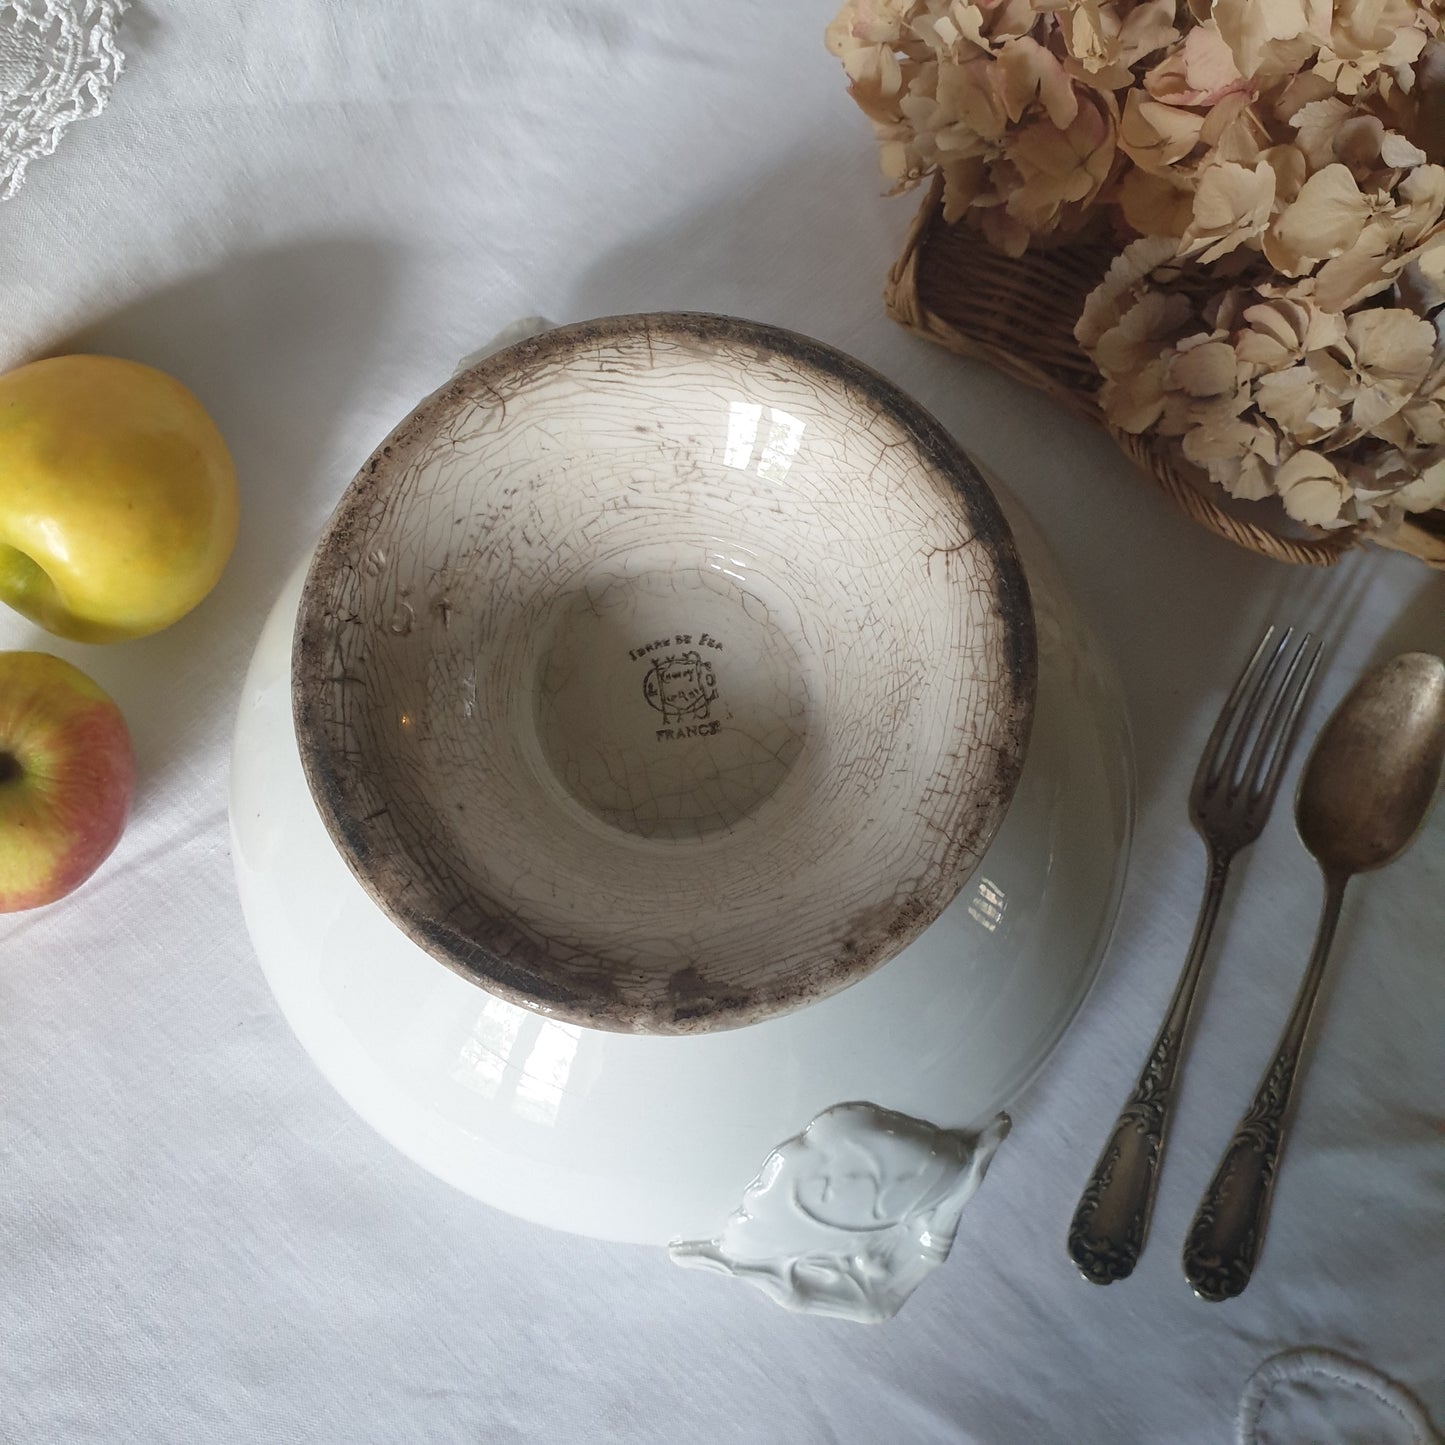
1327 1399
58 61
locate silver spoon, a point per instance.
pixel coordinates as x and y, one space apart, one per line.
1364 795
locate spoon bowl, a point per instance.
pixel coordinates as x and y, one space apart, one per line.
1374 770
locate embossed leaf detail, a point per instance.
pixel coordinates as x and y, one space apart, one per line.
850 1216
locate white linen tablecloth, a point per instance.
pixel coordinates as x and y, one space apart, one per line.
308 211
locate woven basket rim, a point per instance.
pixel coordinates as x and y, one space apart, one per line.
1056 365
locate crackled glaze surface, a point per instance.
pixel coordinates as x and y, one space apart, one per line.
849 1217
664 673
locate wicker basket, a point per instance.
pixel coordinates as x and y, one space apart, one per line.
1018 315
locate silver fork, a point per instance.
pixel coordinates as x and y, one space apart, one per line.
1228 804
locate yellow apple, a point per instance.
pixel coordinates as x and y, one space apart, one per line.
67 773
117 497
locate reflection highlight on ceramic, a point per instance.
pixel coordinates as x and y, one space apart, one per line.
518 1059
781 440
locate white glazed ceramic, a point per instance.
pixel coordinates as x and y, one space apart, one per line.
655 1139
852 1215
664 673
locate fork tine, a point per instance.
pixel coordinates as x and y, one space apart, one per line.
1281 723
1208 770
1262 687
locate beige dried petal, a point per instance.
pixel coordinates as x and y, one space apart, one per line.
1290 172
897 164
967 92
1091 36
939 31
1357 143
1317 125
1373 413
1393 350
1424 422
1200 72
1386 470
1365 269
993 21
1255 29
1422 281
1398 152
1156 205
1106 304
1320 423
1335 378
1059 167
1147 27
964 181
968 20
1208 369
1260 352
1325 219
1238 454
870 22
1429 98
1366 38
1395 430
1236 130
1288 397
1311 488
1363 144
1279 331
1425 492
1232 205
1154 135
1031 74
1307 419
1183 412
1253 482
1209 65
1141 333
1324 329
1132 402
1301 90
1423 192
1282 321
1391 345
854 33
1222 311
1218 441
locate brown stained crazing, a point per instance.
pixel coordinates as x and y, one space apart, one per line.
641 826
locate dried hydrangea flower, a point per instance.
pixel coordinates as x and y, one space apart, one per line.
1280 165
1012 101
1339 416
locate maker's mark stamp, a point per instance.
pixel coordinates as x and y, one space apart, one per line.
681 686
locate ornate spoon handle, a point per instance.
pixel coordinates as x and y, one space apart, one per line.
1224 1240
1112 1219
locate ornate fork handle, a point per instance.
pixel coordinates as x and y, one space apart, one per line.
1223 1243
1111 1222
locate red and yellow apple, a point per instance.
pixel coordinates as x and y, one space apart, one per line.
118 504
67 773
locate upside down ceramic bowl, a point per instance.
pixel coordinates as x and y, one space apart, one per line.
664 673
665 1138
